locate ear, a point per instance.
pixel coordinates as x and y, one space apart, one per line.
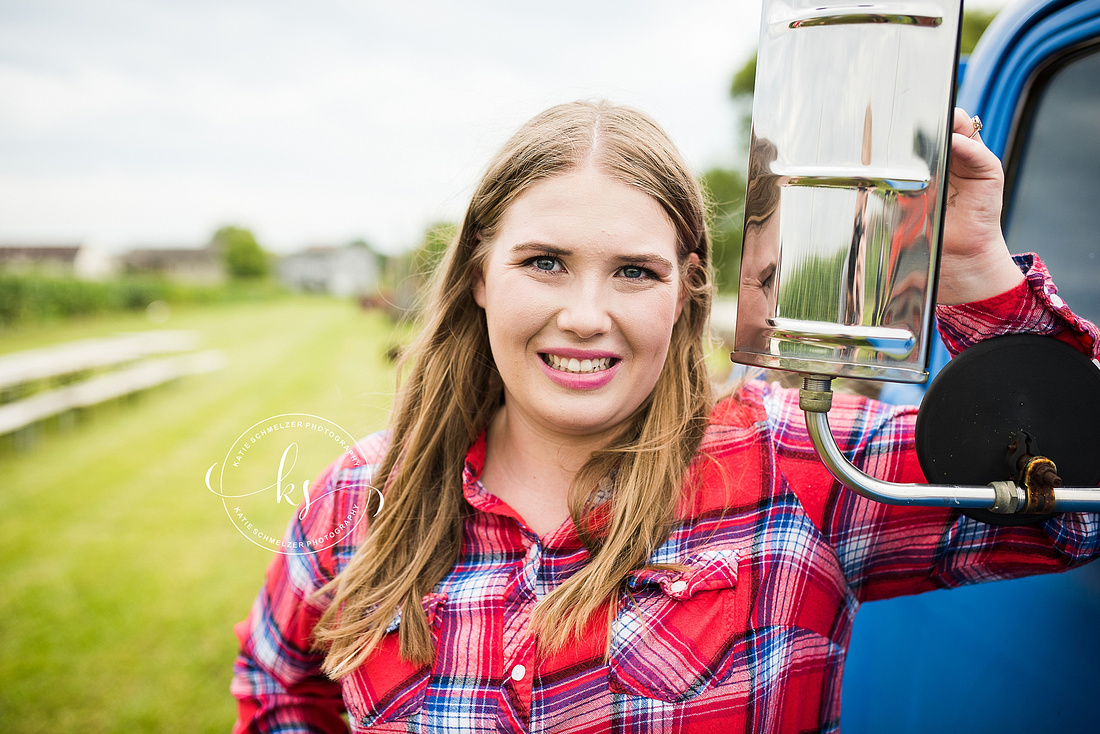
690 264
477 284
478 288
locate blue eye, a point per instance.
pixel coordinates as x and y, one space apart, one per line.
545 263
636 272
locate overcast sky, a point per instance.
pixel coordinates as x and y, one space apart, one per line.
153 122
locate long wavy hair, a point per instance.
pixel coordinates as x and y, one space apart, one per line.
452 389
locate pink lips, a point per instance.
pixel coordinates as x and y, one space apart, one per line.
581 380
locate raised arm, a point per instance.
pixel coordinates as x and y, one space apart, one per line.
894 550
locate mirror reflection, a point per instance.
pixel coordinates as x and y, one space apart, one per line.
844 203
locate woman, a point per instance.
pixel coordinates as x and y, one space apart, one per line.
574 537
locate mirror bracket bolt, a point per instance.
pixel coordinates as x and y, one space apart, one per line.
816 394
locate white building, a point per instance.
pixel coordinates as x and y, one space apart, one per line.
340 271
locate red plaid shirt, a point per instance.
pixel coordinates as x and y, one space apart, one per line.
751 637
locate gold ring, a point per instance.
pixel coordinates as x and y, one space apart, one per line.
977 123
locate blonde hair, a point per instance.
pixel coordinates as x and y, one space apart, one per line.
453 388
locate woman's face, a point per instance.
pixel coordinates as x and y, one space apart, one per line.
756 295
581 288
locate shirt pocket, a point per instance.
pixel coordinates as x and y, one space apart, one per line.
672 636
387 693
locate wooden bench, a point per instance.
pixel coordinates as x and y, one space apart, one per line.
94 371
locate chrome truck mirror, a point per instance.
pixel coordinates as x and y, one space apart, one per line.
844 218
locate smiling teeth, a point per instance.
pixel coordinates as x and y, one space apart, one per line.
573 364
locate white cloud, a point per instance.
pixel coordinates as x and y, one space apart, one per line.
126 121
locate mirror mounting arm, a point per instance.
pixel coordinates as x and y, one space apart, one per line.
815 398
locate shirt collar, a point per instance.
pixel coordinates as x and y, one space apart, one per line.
564 537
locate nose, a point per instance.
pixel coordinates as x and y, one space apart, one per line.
585 311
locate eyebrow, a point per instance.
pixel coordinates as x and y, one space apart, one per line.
523 247
542 247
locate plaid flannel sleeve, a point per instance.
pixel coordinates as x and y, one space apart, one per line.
277 677
1033 307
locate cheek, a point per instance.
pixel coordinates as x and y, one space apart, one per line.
652 329
512 318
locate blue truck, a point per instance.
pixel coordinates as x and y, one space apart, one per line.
1024 655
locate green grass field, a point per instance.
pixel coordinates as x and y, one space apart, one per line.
120 574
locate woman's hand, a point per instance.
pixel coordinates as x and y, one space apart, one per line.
975 262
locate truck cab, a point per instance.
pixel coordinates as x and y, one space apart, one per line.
1012 656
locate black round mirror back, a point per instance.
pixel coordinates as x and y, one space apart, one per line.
999 387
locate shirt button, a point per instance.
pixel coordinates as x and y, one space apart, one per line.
518 672
677 587
1057 301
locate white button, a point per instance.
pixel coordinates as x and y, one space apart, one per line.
1057 301
518 672
677 586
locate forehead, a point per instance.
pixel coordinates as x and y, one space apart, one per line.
588 208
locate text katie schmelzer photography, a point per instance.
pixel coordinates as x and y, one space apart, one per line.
265 479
